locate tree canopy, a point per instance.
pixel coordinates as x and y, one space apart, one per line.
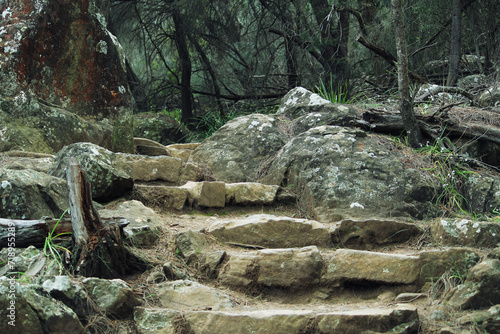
205 55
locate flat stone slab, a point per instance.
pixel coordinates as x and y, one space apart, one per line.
371 233
400 319
347 265
150 168
272 232
161 197
189 295
250 193
281 268
300 321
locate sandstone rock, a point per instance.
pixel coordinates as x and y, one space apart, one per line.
19 160
482 192
22 316
182 151
481 288
435 263
346 265
154 321
250 193
212 195
28 194
277 268
54 317
64 78
398 320
466 232
272 232
159 128
343 172
485 320
190 244
370 233
206 194
113 297
145 224
108 176
193 172
145 168
189 295
235 152
265 321
161 197
490 97
149 147
210 263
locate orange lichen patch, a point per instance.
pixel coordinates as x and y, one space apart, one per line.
61 60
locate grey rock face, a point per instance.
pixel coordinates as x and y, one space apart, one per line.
235 152
340 172
28 194
108 176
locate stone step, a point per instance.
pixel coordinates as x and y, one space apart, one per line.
307 267
400 319
269 231
204 194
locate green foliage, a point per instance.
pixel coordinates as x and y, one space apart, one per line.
338 94
461 268
51 250
175 114
450 172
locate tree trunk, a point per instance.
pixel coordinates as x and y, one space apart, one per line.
456 34
405 104
186 68
98 249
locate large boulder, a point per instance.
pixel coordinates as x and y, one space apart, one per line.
481 288
160 128
28 194
308 110
237 151
108 175
341 172
63 77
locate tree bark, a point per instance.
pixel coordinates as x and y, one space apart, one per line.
456 36
405 104
98 249
186 68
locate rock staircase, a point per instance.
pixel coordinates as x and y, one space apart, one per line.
270 273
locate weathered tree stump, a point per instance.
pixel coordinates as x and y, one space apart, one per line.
98 248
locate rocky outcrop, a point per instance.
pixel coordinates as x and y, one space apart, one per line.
108 175
306 110
160 128
236 151
63 77
28 194
465 232
341 172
